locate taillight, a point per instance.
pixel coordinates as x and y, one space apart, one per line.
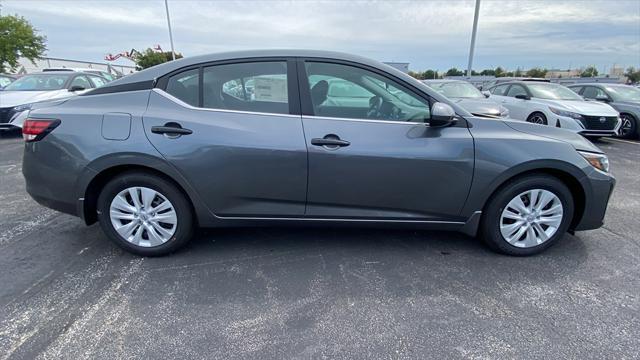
36 129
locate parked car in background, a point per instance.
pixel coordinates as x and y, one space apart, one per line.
6 80
407 157
104 74
37 87
555 105
502 80
624 98
469 97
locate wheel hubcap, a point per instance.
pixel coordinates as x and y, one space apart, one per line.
626 126
143 216
531 218
537 120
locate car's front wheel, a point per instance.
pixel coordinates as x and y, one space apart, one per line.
537 118
528 215
629 126
145 214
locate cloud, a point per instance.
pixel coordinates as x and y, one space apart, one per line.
429 34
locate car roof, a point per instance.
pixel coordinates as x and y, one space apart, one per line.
442 81
157 71
523 82
597 84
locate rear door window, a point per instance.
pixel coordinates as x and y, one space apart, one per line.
185 86
252 87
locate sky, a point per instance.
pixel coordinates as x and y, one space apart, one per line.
427 34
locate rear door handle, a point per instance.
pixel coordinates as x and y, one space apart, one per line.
171 129
330 142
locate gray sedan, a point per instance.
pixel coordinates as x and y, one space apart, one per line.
469 97
624 98
189 143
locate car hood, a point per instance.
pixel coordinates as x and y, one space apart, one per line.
589 108
479 107
15 98
576 140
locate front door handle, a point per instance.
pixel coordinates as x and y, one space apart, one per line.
171 129
330 141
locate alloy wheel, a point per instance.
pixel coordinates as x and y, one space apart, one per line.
143 216
537 119
627 126
531 218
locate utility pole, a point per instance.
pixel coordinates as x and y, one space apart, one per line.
473 37
173 52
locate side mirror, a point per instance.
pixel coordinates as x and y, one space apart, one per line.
486 93
442 115
523 97
75 88
602 98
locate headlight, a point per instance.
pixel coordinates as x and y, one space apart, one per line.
566 113
598 161
21 108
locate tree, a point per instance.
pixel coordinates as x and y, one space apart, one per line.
498 72
633 75
454 72
150 57
536 72
18 39
488 72
518 73
430 74
590 71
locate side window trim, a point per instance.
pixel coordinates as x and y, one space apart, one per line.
305 91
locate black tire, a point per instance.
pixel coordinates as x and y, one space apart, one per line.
490 224
181 205
632 131
537 118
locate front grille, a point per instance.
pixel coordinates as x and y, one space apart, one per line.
5 114
596 123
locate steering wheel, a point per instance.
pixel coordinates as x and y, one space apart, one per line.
382 109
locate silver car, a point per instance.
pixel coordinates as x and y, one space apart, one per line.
186 144
469 97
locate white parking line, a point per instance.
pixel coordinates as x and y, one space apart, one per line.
624 141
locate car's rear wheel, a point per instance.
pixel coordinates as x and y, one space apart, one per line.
537 118
528 215
145 214
629 126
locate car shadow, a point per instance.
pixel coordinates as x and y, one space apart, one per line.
415 251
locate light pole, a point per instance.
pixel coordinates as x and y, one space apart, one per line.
173 52
473 38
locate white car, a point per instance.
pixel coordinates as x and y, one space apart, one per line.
555 105
38 87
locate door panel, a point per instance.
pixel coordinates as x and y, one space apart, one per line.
389 169
241 164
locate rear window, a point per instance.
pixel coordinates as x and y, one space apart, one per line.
39 82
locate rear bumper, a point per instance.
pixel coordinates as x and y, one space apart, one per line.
598 187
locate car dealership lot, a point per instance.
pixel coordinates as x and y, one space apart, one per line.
316 292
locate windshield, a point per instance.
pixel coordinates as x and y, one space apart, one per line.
458 90
624 93
552 92
40 82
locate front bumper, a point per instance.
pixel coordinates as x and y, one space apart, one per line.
598 187
583 127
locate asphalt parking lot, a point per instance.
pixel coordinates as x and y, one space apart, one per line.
67 292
